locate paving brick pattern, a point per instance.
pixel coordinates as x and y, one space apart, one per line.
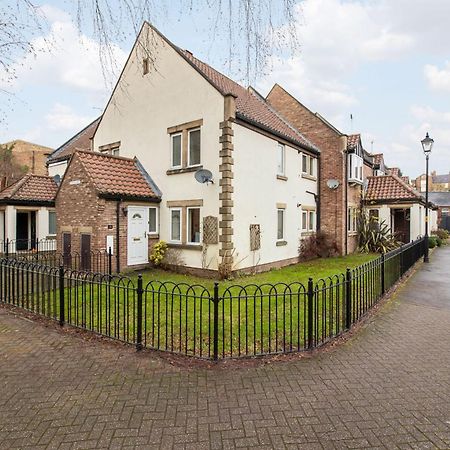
387 387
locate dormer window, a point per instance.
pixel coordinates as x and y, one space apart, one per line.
355 165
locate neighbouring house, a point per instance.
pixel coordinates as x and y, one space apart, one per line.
442 201
25 158
401 207
27 213
58 160
344 164
107 202
178 115
436 182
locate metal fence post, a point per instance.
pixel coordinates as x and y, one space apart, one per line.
348 299
310 313
109 261
139 292
383 284
401 261
216 322
61 295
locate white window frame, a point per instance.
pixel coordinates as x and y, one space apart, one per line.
352 226
283 228
310 165
305 222
156 220
188 231
306 225
355 163
189 147
281 158
171 210
181 150
311 226
51 212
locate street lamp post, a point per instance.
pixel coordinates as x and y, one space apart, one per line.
427 145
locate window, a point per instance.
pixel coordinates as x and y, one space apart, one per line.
280 224
308 165
145 66
193 228
110 149
374 214
351 219
115 151
355 165
309 220
194 147
176 150
281 159
153 220
175 225
51 222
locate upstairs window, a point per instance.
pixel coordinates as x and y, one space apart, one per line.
145 66
194 147
355 165
308 165
110 149
176 150
281 160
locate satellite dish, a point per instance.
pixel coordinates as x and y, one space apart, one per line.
333 184
203 176
57 179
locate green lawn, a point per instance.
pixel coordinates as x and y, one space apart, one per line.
263 313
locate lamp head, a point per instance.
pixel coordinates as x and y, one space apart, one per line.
427 144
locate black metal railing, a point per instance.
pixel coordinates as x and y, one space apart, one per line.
44 252
236 321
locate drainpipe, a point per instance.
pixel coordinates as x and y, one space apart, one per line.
117 235
319 191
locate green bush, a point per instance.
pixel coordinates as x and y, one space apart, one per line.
441 234
432 241
158 253
438 241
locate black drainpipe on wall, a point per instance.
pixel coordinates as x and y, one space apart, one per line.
319 192
117 235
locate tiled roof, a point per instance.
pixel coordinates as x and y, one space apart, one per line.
118 177
378 158
390 187
81 141
353 140
440 198
441 178
395 171
30 188
406 179
250 106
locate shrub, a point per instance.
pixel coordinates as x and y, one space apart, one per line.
438 241
441 233
374 236
432 241
158 253
318 245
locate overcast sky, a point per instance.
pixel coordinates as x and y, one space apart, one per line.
386 62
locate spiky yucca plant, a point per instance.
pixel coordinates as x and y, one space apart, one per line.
374 236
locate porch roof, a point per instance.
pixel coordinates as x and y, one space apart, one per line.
30 189
388 188
117 177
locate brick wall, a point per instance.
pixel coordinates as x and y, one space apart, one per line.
80 211
332 161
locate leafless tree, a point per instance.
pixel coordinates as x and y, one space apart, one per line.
249 31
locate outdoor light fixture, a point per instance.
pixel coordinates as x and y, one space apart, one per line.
427 145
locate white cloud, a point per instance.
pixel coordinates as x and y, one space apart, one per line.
68 59
438 79
63 118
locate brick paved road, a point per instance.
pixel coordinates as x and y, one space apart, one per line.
388 387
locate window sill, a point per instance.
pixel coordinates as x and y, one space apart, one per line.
281 243
197 247
307 233
153 235
51 237
309 177
352 233
282 177
354 181
184 170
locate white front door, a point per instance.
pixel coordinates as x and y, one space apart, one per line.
137 235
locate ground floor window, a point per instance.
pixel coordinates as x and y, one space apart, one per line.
193 218
51 223
175 225
280 224
153 220
351 219
309 220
